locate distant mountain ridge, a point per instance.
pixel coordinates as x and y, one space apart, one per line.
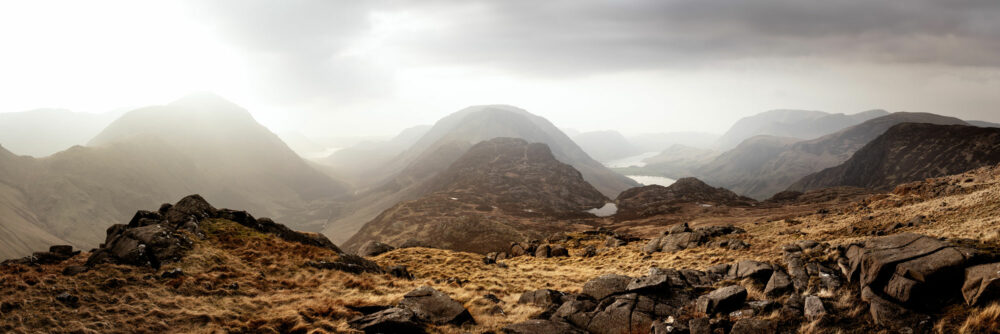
911 152
449 138
198 144
759 171
499 191
801 124
43 132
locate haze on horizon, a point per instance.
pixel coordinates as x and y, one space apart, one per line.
361 68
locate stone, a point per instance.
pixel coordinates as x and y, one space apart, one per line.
392 320
700 326
982 284
652 246
755 270
679 228
435 307
813 308
754 326
191 207
64 250
657 281
539 326
542 298
779 284
614 242
517 250
399 272
606 285
797 271
722 300
543 251
374 248
559 251
575 311
888 313
67 298
149 246
618 317
589 251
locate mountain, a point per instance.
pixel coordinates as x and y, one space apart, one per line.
802 124
984 124
656 142
363 163
761 168
42 132
499 191
198 144
911 152
409 172
605 146
655 200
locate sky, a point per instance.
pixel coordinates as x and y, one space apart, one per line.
364 68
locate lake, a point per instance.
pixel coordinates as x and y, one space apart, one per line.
633 161
604 211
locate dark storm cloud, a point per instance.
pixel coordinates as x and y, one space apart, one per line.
298 48
575 35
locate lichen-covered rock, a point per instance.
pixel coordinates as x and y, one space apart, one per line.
606 285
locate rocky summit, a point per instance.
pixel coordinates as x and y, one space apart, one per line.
500 191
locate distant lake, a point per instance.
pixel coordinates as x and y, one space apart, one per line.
633 161
604 211
650 180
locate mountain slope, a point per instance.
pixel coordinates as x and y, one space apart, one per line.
363 162
199 144
409 172
911 152
802 124
501 190
655 200
760 174
42 132
605 146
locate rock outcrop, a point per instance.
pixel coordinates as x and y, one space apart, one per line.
655 200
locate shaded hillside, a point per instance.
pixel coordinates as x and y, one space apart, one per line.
802 124
42 132
408 173
760 172
605 146
655 200
499 191
911 152
198 144
363 163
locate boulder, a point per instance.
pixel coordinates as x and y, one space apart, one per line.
679 228
797 270
543 251
435 307
589 251
619 317
887 313
779 284
612 241
539 326
722 300
348 263
909 268
813 308
392 320
191 207
700 326
149 246
559 251
543 298
982 284
755 270
145 218
374 248
657 281
606 285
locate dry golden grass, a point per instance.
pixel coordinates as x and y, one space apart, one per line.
278 293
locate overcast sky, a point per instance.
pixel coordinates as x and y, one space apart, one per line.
335 68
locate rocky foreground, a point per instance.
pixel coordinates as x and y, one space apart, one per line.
922 258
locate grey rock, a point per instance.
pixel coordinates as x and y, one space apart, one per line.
982 284
539 326
722 300
392 320
758 271
779 284
435 307
542 298
813 308
606 285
